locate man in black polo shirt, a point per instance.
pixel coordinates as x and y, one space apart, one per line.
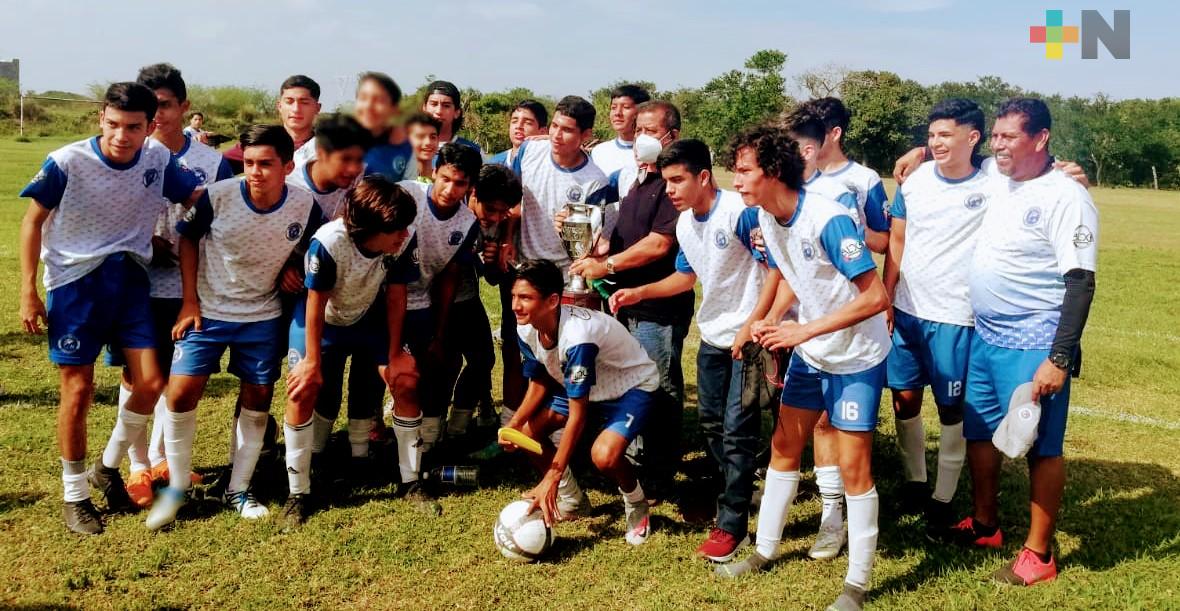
642 251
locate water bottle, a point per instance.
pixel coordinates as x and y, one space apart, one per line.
459 476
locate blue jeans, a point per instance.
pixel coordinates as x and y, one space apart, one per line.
731 434
658 448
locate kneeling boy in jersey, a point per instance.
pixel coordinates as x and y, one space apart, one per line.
580 364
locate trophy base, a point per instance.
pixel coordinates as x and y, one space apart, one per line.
589 300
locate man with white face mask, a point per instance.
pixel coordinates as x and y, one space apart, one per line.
643 250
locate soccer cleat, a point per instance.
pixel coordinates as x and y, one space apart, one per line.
245 504
295 512
828 542
939 520
754 564
1026 569
638 522
569 510
416 493
968 533
165 508
911 498
110 483
721 546
81 517
139 488
851 599
160 473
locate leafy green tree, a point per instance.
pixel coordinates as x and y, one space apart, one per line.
737 99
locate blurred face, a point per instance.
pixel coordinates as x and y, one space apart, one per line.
169 112
298 109
1018 155
951 143
622 114
527 303
441 107
489 213
521 125
374 108
651 123
748 178
387 243
450 185
196 121
686 189
123 133
265 173
424 139
343 166
565 136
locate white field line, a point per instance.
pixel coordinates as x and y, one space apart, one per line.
1139 333
1120 416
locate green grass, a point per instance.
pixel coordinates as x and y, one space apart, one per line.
1119 532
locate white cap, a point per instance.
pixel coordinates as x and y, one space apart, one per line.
1018 430
647 148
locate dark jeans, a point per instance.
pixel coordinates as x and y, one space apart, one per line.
657 449
731 434
469 335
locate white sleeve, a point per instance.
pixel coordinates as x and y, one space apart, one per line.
1073 231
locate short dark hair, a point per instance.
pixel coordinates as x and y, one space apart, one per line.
963 112
578 109
832 112
637 94
197 114
273 136
448 89
300 80
131 97
163 76
692 154
775 152
805 122
386 83
540 113
377 205
671 113
421 118
497 183
1035 113
338 131
463 157
543 275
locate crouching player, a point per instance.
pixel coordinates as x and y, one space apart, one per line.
357 268
577 362
840 342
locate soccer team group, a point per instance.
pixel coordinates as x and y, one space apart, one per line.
364 237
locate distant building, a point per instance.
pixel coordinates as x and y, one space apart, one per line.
10 70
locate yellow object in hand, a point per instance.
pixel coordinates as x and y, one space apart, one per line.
519 439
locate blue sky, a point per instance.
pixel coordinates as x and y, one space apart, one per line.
558 47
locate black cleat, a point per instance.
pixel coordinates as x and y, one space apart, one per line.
416 492
81 517
295 512
110 483
939 520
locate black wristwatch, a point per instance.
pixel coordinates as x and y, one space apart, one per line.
1061 360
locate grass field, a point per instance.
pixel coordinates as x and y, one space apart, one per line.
1119 539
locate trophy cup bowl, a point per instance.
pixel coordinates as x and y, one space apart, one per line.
577 235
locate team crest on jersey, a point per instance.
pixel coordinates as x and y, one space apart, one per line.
851 250
808 249
720 239
974 201
69 343
177 354
578 374
313 265
1032 217
580 313
574 193
399 166
150 176
1082 237
201 175
294 230
39 176
455 238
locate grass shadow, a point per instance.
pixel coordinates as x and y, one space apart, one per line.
11 501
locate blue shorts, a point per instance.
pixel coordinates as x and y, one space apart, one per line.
851 399
164 314
110 306
929 353
255 350
418 330
625 416
992 376
366 340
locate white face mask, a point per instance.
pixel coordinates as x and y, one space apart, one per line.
647 149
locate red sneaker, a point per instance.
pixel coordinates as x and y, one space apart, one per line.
721 546
1026 569
967 533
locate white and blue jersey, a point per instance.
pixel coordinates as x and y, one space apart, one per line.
871 201
820 184
819 251
615 156
503 158
548 187
438 239
99 207
243 248
388 160
352 278
330 200
717 248
1033 233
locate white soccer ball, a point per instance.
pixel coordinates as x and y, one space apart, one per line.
522 536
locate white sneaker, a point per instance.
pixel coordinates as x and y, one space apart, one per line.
573 508
245 504
638 522
164 509
828 542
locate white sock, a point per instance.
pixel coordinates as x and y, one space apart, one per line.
251 429
358 436
321 429
298 440
777 496
138 452
634 497
431 432
233 440
952 451
128 426
568 488
911 442
831 492
506 414
862 537
180 430
156 443
408 432
73 479
457 424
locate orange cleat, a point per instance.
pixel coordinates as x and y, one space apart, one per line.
139 488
